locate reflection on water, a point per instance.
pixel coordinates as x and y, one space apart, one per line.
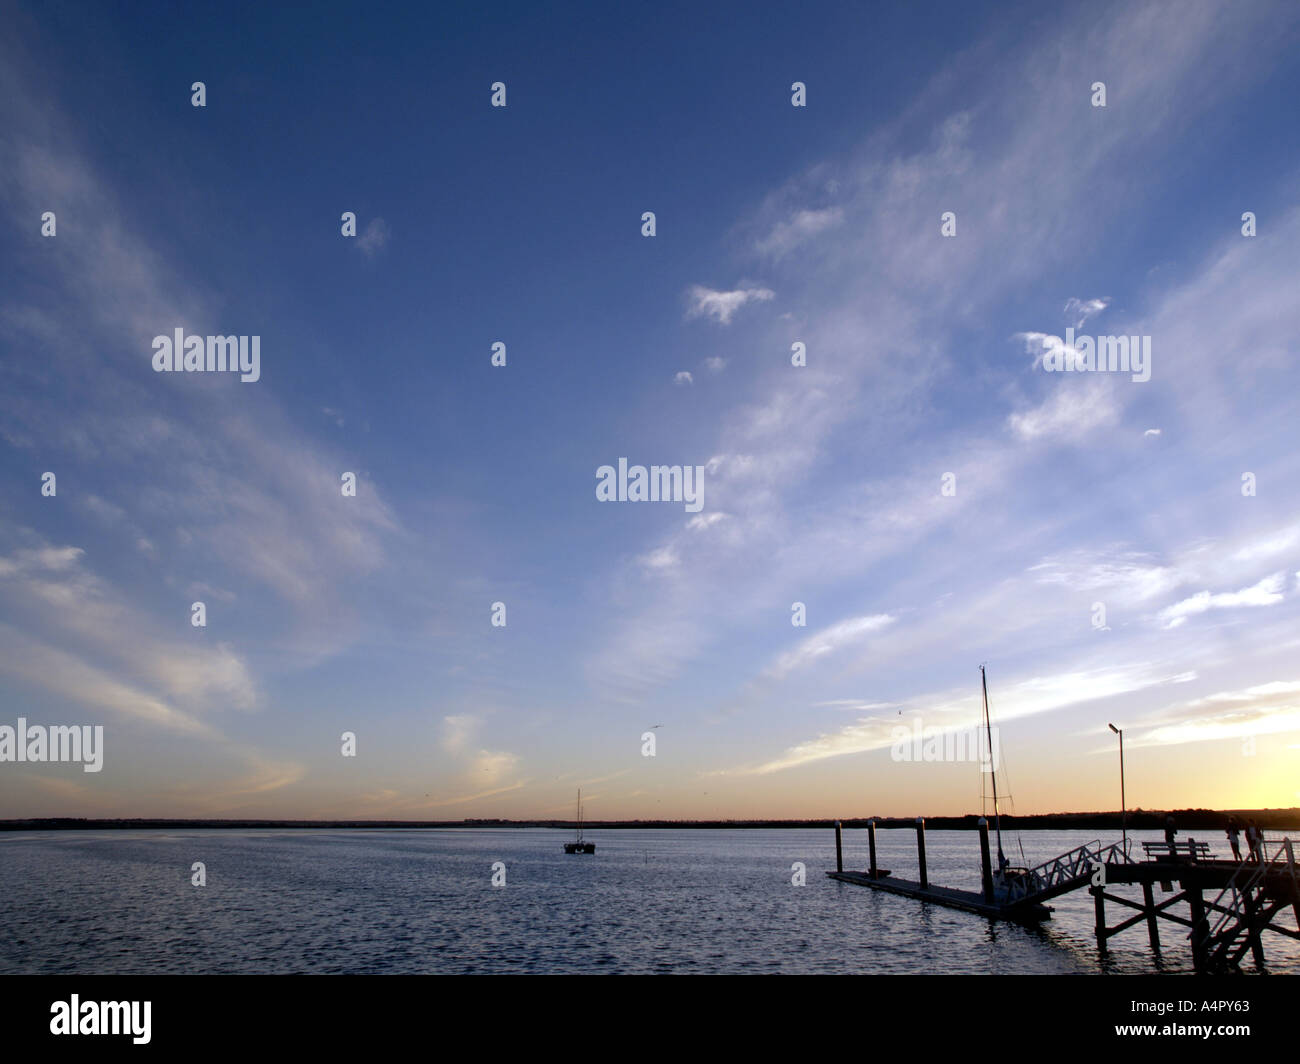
422 901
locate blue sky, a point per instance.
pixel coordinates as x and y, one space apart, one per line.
775 225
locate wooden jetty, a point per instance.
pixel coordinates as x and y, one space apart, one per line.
954 899
1002 896
1249 896
1253 896
986 903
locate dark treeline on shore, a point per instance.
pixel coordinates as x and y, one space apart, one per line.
1138 820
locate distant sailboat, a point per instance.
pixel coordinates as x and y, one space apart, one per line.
578 846
1006 875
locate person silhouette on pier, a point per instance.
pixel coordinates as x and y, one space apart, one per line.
1253 841
1170 832
1234 831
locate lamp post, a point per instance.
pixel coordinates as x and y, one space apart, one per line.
1123 805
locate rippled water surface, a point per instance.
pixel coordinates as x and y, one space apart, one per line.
422 901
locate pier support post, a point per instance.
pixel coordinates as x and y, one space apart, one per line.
920 851
871 841
986 862
1153 928
1099 912
1295 883
1252 930
1200 928
839 851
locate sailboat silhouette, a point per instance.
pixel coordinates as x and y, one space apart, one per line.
578 846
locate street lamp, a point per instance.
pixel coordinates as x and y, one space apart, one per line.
1123 805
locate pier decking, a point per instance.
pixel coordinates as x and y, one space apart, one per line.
952 898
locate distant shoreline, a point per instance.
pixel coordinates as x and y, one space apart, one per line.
1138 820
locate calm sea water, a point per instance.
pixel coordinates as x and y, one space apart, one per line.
422 901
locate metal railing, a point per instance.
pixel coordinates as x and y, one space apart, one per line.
1068 868
1245 879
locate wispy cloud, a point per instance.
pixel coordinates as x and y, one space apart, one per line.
1076 409
492 765
374 238
722 306
1079 311
476 796
660 558
801 226
1267 592
77 613
1026 697
63 674
1263 709
459 730
829 640
1126 576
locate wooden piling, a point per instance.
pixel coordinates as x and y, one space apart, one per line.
1099 912
920 850
1252 930
1153 929
1295 882
871 841
1200 928
839 851
986 862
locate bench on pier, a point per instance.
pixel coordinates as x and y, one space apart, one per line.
1174 851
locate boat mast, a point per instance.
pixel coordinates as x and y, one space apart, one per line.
579 814
988 731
